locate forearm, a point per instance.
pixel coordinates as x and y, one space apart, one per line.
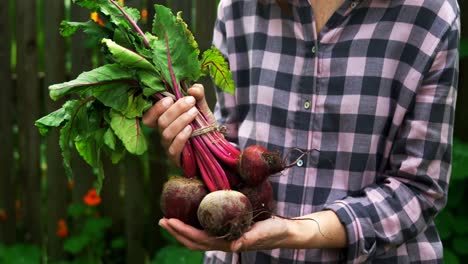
317 230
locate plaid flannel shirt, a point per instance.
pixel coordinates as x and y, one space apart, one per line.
374 93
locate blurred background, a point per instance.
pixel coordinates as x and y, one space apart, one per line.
46 218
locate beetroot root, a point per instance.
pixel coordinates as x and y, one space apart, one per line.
261 198
181 197
256 163
226 214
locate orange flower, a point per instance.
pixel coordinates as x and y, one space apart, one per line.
62 229
3 215
92 198
144 15
95 17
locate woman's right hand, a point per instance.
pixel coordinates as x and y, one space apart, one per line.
173 120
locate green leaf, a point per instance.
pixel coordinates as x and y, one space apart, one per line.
152 81
460 159
117 18
76 210
109 139
110 73
118 154
76 244
93 29
214 64
127 57
174 49
113 95
129 132
137 105
96 226
54 119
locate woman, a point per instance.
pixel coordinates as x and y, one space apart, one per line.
371 85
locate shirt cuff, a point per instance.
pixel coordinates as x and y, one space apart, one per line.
359 229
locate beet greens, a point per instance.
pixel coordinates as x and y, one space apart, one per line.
140 68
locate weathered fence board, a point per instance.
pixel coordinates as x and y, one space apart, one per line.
55 72
7 193
206 16
158 175
185 7
127 211
134 210
81 56
28 96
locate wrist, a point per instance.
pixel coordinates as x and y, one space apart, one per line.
317 230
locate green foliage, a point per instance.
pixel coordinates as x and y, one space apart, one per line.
174 252
106 117
452 221
20 254
463 48
88 241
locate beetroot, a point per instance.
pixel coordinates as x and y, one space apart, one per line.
261 198
181 197
226 214
256 164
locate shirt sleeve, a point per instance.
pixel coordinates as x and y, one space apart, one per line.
225 107
413 188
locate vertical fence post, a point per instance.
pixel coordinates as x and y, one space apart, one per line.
205 18
7 193
157 166
150 7
81 61
134 209
55 72
28 95
185 6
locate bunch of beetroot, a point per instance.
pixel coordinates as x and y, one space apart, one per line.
222 189
226 200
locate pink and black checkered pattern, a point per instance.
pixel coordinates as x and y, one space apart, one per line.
374 93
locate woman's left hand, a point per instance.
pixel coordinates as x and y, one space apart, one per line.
267 234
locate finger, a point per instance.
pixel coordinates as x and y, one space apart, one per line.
173 113
178 126
185 241
198 236
175 149
151 116
198 91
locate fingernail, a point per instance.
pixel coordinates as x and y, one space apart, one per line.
166 102
238 246
193 111
187 130
190 100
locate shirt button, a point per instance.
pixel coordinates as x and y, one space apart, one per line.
300 163
314 50
353 4
307 104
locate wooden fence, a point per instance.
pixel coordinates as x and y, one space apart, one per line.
32 198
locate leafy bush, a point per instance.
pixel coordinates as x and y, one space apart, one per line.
452 222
